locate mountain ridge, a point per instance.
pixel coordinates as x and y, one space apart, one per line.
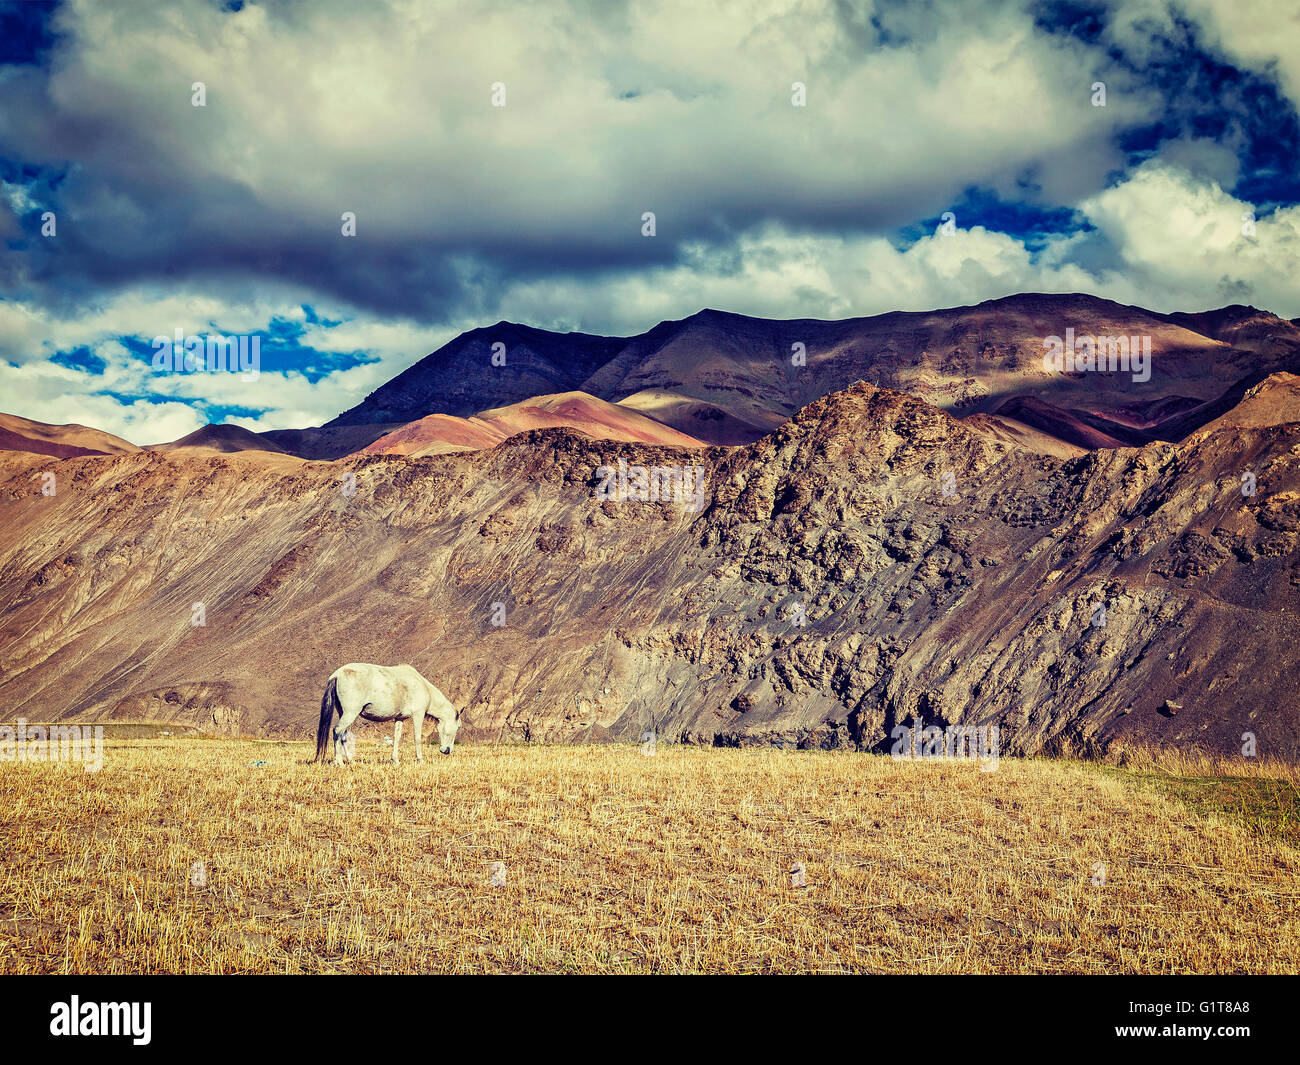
729 378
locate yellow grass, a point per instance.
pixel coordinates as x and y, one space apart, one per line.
619 862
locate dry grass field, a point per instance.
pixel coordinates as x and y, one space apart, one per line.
618 862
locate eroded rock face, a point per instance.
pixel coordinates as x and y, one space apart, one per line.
870 562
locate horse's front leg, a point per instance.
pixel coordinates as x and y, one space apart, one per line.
397 740
417 720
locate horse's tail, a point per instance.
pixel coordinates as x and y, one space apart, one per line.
328 705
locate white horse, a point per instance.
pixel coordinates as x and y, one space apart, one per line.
382 693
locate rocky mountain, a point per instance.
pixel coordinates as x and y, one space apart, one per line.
223 439
873 559
731 379
461 378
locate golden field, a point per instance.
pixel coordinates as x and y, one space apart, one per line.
615 861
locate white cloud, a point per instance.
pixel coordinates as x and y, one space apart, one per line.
1180 240
37 388
59 395
1177 239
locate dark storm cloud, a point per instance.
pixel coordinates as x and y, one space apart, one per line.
313 110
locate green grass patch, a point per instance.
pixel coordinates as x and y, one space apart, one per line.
1269 807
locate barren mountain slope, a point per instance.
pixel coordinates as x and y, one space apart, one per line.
461 377
222 439
711 421
1063 599
441 434
61 441
1020 435
1273 401
328 442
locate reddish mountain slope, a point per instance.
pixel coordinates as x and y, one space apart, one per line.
1274 401
442 434
61 441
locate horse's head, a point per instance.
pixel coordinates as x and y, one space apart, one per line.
447 725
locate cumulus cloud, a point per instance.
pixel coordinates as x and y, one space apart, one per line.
126 395
1183 240
60 395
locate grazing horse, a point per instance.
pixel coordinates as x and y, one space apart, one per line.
382 693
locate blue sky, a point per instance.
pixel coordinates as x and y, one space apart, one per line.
227 217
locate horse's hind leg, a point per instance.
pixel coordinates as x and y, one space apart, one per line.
347 716
397 739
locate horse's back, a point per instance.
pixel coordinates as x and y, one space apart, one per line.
387 691
362 671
